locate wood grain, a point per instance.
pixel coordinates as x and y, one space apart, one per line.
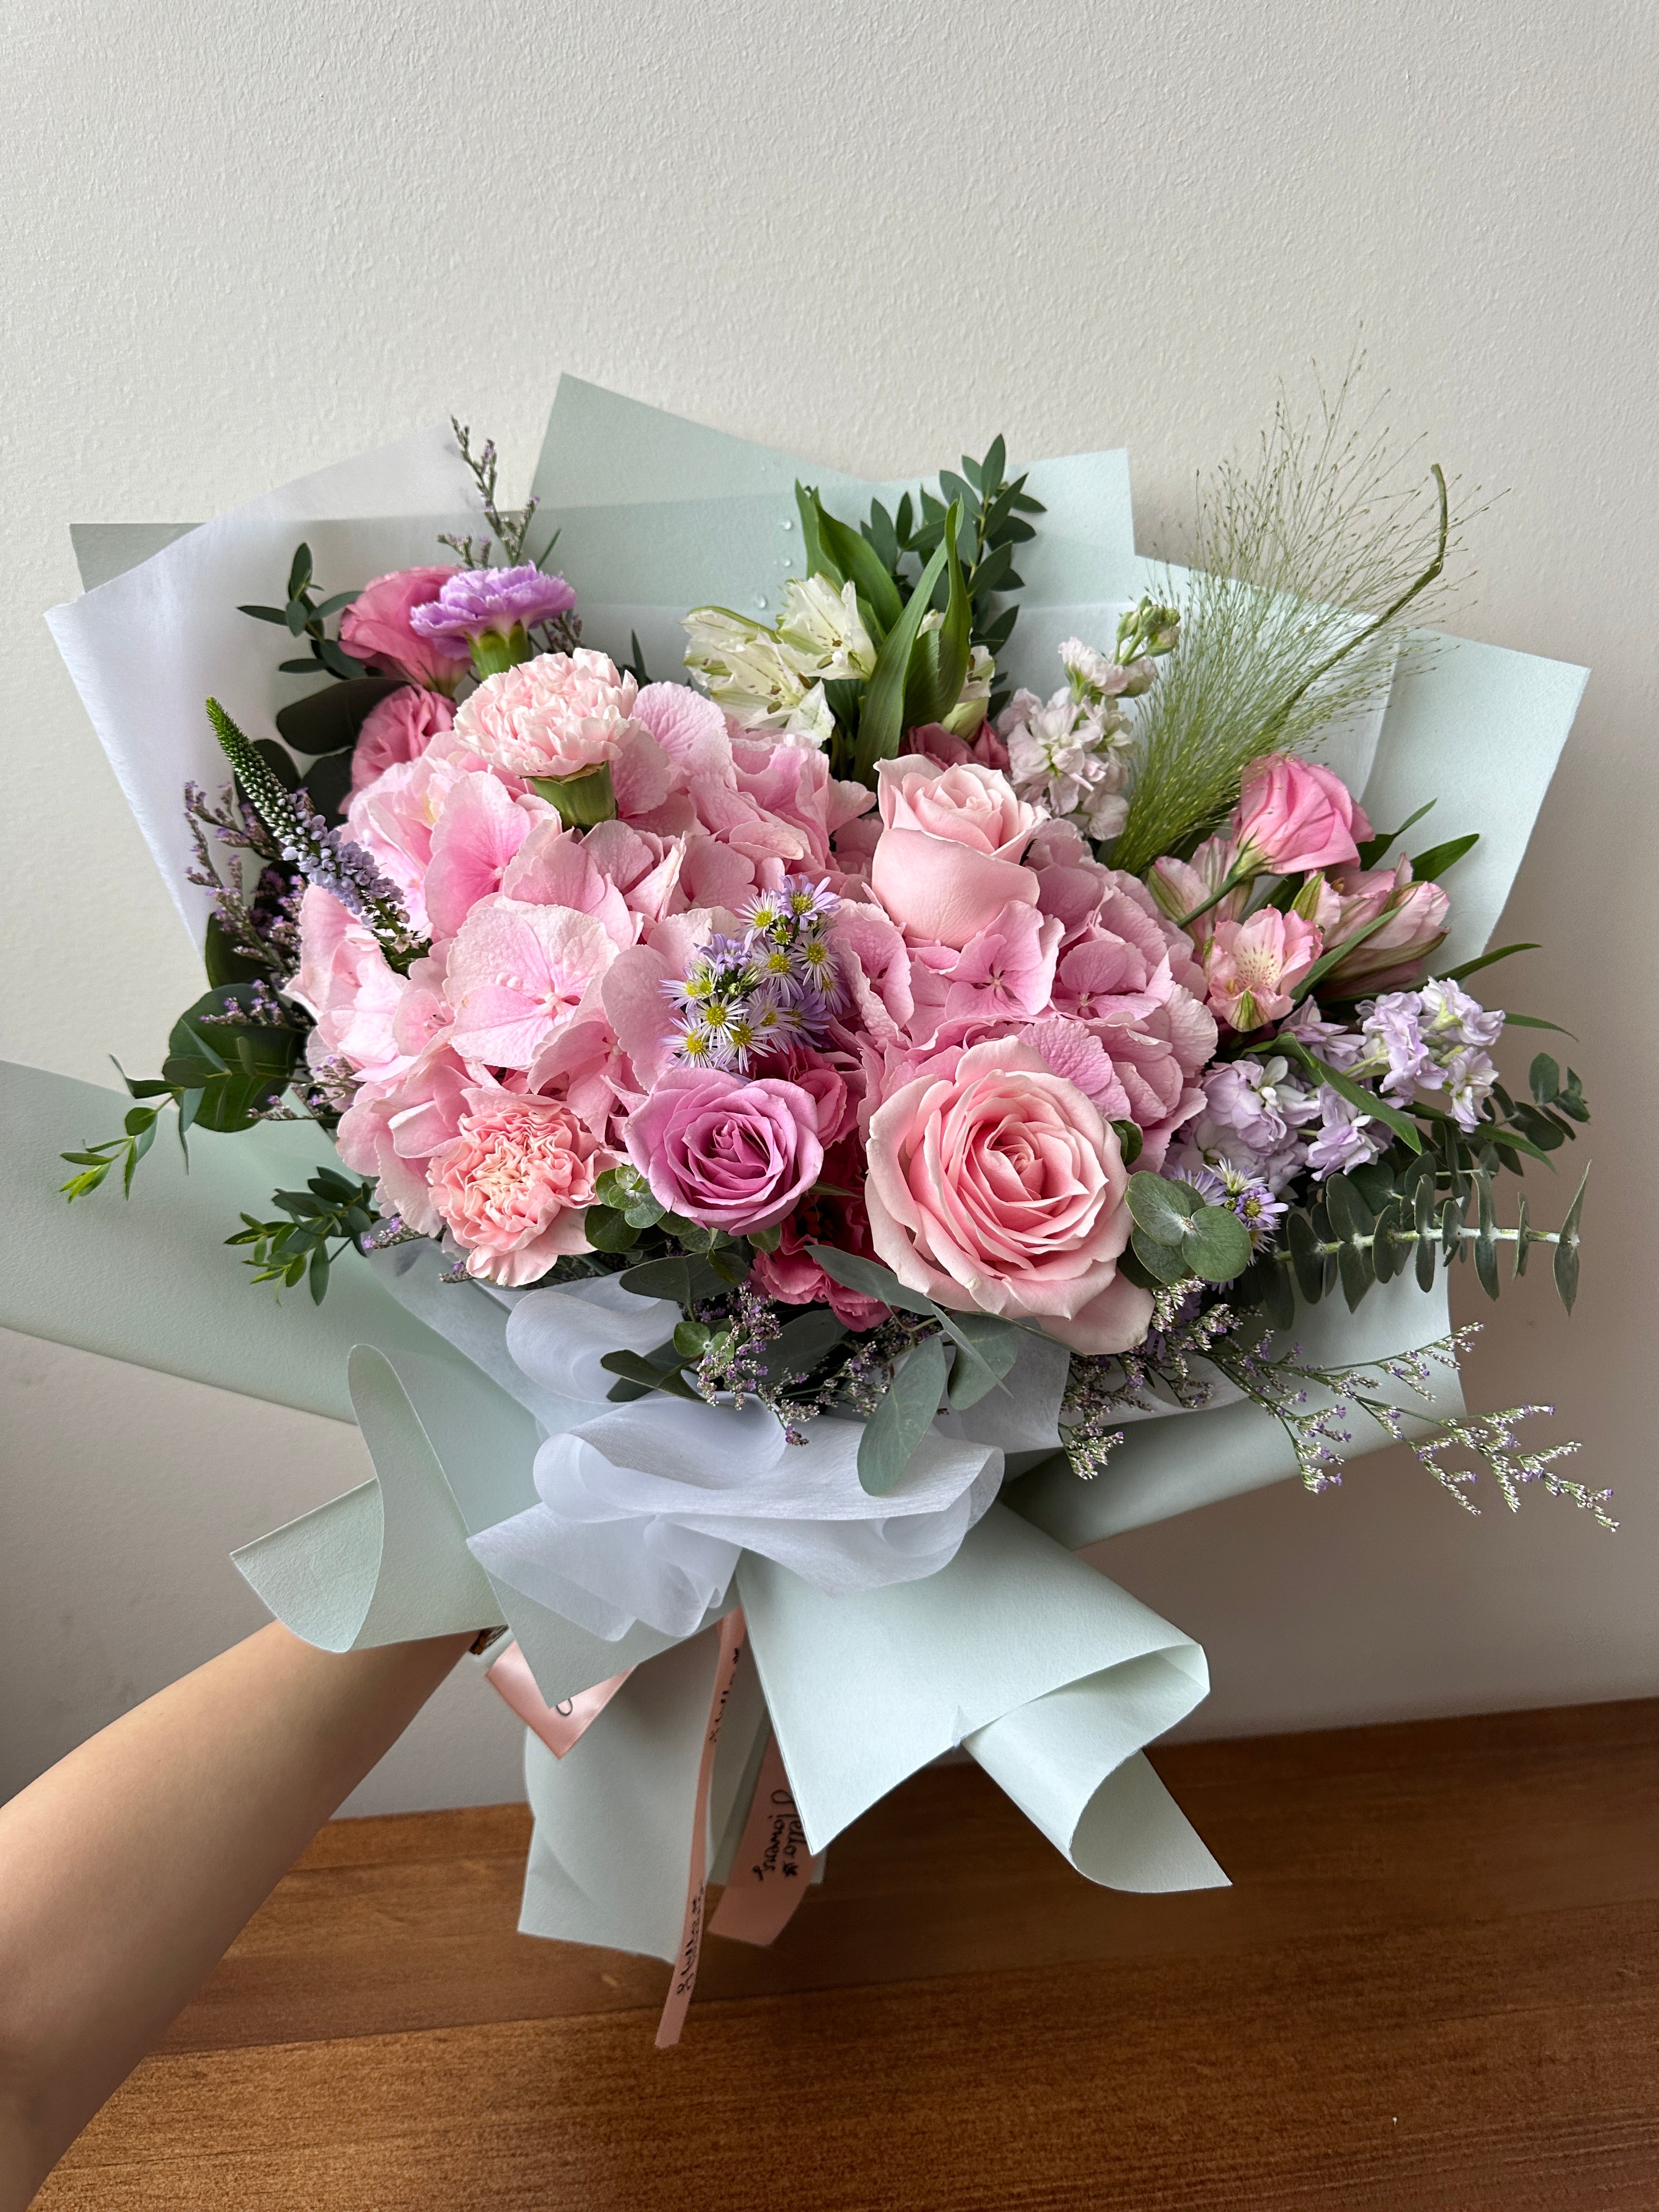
1435 1983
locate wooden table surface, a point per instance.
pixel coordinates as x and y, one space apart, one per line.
1435 1983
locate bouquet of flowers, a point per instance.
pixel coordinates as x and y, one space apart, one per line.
816 1086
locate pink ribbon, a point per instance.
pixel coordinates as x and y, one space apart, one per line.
732 1638
561 1725
772 1868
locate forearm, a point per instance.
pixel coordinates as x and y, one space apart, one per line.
127 1871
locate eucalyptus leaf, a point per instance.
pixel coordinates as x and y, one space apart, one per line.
903 1417
1218 1247
855 1273
1566 1252
1163 1211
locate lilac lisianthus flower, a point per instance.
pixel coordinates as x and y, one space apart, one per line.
476 601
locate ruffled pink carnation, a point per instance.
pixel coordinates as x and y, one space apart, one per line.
513 1184
557 716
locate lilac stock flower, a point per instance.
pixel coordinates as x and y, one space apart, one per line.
1347 1138
1394 1034
476 601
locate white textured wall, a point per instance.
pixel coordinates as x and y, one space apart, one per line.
246 240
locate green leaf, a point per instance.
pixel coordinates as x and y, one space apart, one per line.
667 1277
266 614
854 1272
1374 849
609 1231
1486 960
337 661
1486 1242
319 1272
1218 1247
649 1373
802 1345
1566 1252
328 721
991 468
240 1070
1129 1141
857 560
1429 867
299 574
1266 1287
939 664
1388 1258
1544 1079
815 561
881 721
1536 1021
1350 1215
1164 1210
1307 1260
223 962
1161 1261
903 1419
987 1349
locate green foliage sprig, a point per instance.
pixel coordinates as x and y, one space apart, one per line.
304 617
332 1210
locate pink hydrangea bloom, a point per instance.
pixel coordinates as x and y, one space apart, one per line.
516 971
994 1184
557 716
1254 967
376 629
513 1184
345 984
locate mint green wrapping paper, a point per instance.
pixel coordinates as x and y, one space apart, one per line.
1048 1675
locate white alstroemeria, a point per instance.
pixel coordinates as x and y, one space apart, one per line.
812 725
822 633
965 717
743 668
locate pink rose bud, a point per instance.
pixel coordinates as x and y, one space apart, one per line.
399 729
376 628
1293 816
730 1153
947 861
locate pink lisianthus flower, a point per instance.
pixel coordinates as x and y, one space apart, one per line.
947 861
1411 924
1293 816
398 728
727 1153
513 1184
1252 968
933 741
994 1184
376 628
558 715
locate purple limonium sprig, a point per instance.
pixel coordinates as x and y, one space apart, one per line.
479 600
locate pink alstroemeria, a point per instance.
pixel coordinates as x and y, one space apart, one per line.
516 971
1254 967
1409 919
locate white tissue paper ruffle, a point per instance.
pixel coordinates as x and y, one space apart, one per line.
645 1508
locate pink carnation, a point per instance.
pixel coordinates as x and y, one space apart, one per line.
399 728
557 716
376 629
933 741
994 1184
513 1185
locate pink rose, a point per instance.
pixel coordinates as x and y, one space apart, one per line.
994 1184
557 716
1413 924
947 861
396 730
376 628
513 1185
1254 967
1293 816
933 741
728 1153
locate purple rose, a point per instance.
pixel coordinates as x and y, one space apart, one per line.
724 1152
477 600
